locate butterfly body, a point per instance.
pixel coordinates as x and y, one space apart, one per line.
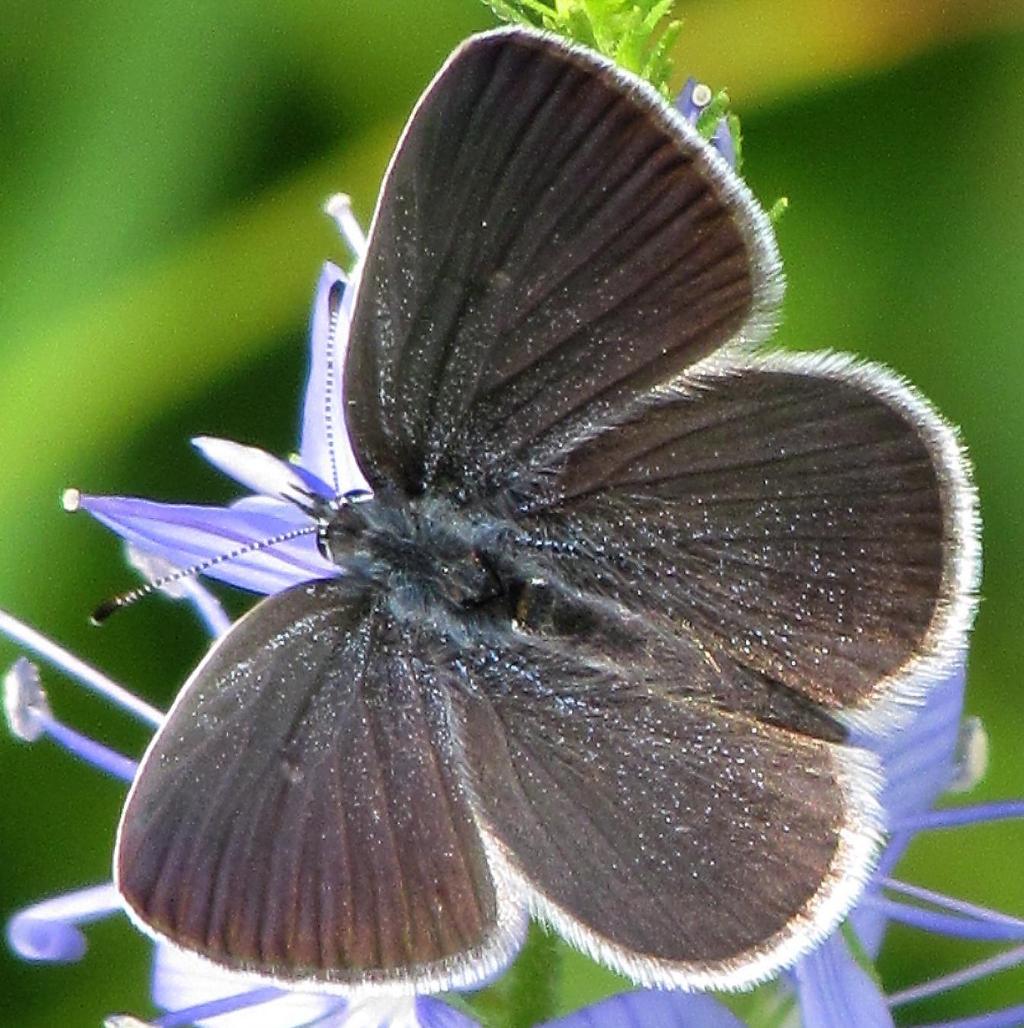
472 585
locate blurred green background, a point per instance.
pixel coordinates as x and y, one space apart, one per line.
162 165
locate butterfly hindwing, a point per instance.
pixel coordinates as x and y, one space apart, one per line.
680 843
807 519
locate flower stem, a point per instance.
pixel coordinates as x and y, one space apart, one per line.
533 980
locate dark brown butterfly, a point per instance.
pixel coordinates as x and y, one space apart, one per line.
622 590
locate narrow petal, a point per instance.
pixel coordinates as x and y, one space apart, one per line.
101 757
185 985
972 755
77 669
47 931
186 534
25 704
1008 1017
955 925
646 1007
286 513
956 817
262 472
723 142
835 990
320 406
950 903
920 762
29 718
382 1012
219 1011
325 449
972 973
339 208
921 759
693 98
206 605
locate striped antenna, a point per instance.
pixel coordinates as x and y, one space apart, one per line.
108 607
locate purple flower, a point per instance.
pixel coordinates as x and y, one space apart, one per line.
693 100
936 752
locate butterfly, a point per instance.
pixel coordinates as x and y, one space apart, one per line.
623 600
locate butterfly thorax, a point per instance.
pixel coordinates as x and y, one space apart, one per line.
425 557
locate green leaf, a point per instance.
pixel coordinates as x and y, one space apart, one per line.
638 35
659 62
527 994
767 1006
713 113
533 980
737 138
503 10
777 209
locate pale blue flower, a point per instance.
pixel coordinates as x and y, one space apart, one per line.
691 103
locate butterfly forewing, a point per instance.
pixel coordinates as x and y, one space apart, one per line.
299 814
549 243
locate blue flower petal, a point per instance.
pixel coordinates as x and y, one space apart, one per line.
920 759
182 981
432 1013
286 513
919 762
56 942
685 103
48 930
835 990
723 142
985 926
262 472
1007 1017
325 449
316 485
101 757
646 1007
186 534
